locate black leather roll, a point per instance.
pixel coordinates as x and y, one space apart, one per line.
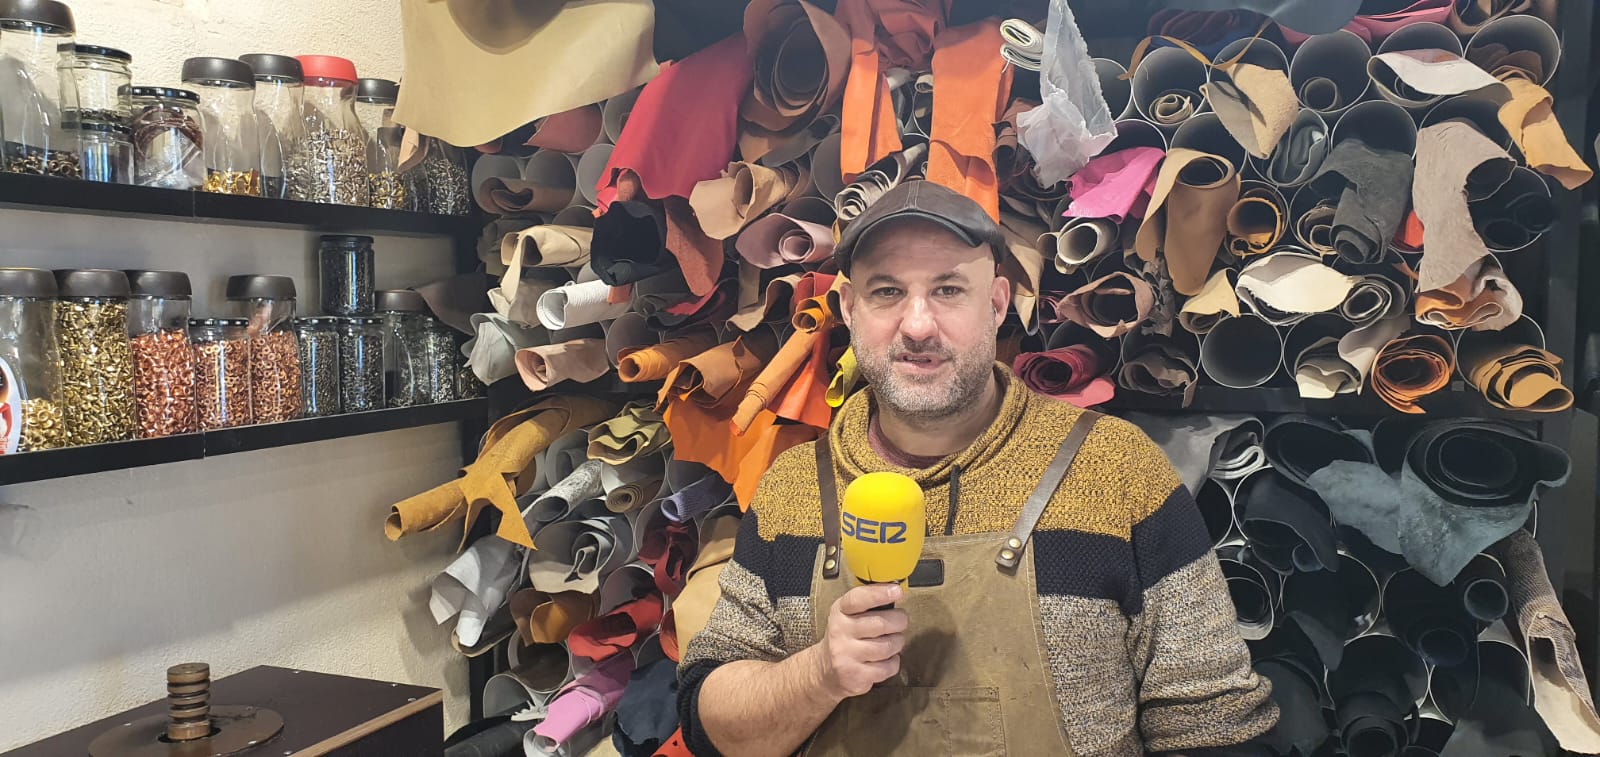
1332 607
1286 524
1300 445
1429 618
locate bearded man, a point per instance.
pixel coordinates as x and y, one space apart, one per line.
1072 605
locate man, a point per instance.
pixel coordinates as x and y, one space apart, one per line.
1096 623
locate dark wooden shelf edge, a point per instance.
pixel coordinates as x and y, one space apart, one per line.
51 194
74 461
1216 399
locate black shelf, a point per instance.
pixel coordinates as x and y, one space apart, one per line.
1454 401
50 193
73 461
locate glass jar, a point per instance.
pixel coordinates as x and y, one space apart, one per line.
107 151
280 108
404 349
163 359
38 97
319 365
267 304
221 371
468 385
104 78
330 162
96 361
30 373
167 139
232 148
360 364
443 355
444 171
345 277
386 185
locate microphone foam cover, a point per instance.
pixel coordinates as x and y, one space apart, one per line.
883 527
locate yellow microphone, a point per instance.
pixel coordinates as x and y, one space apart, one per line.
883 526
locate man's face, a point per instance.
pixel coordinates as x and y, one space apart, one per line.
923 309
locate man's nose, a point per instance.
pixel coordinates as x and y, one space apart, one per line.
917 323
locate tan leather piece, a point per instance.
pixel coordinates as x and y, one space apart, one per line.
758 305
655 362
1195 189
1024 263
1529 118
813 319
1517 377
783 37
580 360
1447 155
726 205
1215 301
710 377
634 432
1110 306
1256 222
1410 368
549 618
1256 106
465 57
1483 299
546 246
503 471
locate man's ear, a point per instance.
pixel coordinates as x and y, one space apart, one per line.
846 301
1000 297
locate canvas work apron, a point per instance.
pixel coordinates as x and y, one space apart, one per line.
973 677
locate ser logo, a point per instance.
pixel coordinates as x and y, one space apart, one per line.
872 531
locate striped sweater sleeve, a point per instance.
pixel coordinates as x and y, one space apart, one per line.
1197 691
763 593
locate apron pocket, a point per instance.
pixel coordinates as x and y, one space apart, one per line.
909 720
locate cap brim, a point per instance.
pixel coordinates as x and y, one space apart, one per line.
845 254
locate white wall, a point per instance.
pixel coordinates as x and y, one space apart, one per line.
269 557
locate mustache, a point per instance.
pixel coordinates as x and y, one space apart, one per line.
924 347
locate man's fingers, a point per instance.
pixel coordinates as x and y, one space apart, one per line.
869 625
881 648
865 598
883 670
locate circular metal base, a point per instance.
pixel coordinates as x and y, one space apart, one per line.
234 729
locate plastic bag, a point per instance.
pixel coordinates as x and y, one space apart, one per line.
1073 124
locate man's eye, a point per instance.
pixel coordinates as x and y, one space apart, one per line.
885 292
948 291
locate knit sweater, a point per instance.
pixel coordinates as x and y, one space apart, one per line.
1139 627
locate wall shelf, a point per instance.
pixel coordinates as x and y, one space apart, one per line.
1456 400
49 193
74 461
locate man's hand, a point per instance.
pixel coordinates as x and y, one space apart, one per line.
861 646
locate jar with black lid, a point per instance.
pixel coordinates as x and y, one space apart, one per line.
104 78
167 141
107 150
267 303
232 148
319 365
38 97
375 99
280 109
96 359
345 267
222 372
405 347
444 171
30 362
163 359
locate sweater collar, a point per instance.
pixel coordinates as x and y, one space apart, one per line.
847 438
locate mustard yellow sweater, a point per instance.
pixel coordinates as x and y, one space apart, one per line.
1140 632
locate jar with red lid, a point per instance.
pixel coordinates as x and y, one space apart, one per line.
329 162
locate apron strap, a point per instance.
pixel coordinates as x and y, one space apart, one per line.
828 489
1011 552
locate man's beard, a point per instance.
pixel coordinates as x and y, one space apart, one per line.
937 398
